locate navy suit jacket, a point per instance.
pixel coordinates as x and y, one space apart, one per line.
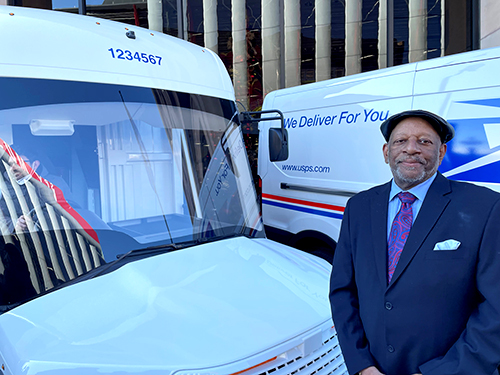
441 312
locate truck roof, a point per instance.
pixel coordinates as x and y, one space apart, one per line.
407 80
57 45
342 82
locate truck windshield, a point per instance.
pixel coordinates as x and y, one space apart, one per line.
91 171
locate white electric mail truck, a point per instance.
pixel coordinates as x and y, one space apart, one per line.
335 144
131 240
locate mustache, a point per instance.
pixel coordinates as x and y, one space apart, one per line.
411 159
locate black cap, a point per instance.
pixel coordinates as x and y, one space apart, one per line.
442 127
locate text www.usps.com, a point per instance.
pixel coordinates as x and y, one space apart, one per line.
305 168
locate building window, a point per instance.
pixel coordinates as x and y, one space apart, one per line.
338 39
307 41
225 40
195 27
254 57
369 27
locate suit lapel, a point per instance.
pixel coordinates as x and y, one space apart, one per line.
432 208
378 211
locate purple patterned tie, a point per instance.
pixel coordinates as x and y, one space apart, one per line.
399 232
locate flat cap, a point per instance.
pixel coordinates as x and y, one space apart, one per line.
442 127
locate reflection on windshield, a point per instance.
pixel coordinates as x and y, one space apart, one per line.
91 171
36 222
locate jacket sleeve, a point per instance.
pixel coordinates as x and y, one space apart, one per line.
477 351
345 305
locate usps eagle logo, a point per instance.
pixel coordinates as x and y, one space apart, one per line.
474 153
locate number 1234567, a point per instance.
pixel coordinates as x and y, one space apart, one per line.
130 56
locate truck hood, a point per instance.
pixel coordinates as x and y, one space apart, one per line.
203 306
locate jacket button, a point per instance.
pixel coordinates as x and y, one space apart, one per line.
388 306
390 349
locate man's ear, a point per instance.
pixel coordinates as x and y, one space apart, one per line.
442 152
385 150
35 164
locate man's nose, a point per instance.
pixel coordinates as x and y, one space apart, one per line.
15 168
412 146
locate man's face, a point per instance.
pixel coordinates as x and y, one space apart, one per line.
20 171
414 152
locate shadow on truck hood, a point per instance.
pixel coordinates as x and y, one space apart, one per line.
203 306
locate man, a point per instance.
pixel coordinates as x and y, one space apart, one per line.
22 174
415 286
34 160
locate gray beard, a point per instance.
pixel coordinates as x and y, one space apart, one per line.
409 180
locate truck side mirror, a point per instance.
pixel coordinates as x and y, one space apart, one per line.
278 144
278 137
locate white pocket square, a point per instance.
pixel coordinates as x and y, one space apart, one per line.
447 245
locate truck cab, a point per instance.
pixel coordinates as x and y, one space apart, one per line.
131 237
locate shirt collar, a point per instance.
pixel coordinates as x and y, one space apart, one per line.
419 191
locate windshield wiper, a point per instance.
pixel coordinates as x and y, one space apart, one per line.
143 253
152 250
186 244
5 308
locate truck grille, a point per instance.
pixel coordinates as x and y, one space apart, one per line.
327 360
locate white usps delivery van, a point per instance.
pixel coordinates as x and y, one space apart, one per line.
131 238
335 144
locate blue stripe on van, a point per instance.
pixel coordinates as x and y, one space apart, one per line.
303 209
